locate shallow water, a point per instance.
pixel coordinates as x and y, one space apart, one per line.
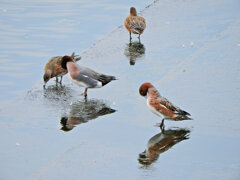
189 51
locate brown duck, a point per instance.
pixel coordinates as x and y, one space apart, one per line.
135 24
53 68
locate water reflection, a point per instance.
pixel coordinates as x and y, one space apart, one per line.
83 111
162 142
134 51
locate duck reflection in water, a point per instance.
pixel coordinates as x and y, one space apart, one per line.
162 142
83 111
134 51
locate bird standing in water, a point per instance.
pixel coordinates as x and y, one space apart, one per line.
134 24
83 76
161 106
53 68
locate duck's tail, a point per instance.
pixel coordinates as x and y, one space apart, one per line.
75 57
138 26
138 30
184 113
105 79
181 117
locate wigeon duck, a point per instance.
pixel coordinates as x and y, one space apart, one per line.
161 106
84 76
53 68
134 24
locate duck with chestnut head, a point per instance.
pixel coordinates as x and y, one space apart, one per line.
83 76
161 106
53 68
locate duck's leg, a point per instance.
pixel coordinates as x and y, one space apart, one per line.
61 80
139 38
162 127
56 79
130 37
85 93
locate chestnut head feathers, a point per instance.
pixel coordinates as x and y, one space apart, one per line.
143 90
65 59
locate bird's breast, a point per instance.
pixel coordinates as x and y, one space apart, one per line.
154 110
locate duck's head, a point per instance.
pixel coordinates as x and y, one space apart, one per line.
66 59
133 11
143 90
46 77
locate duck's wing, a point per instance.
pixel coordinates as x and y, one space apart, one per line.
54 65
88 72
104 79
51 62
136 24
87 81
165 102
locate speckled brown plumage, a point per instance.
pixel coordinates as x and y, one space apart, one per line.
53 68
134 24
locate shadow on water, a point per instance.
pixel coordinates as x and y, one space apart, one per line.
134 51
83 111
162 142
